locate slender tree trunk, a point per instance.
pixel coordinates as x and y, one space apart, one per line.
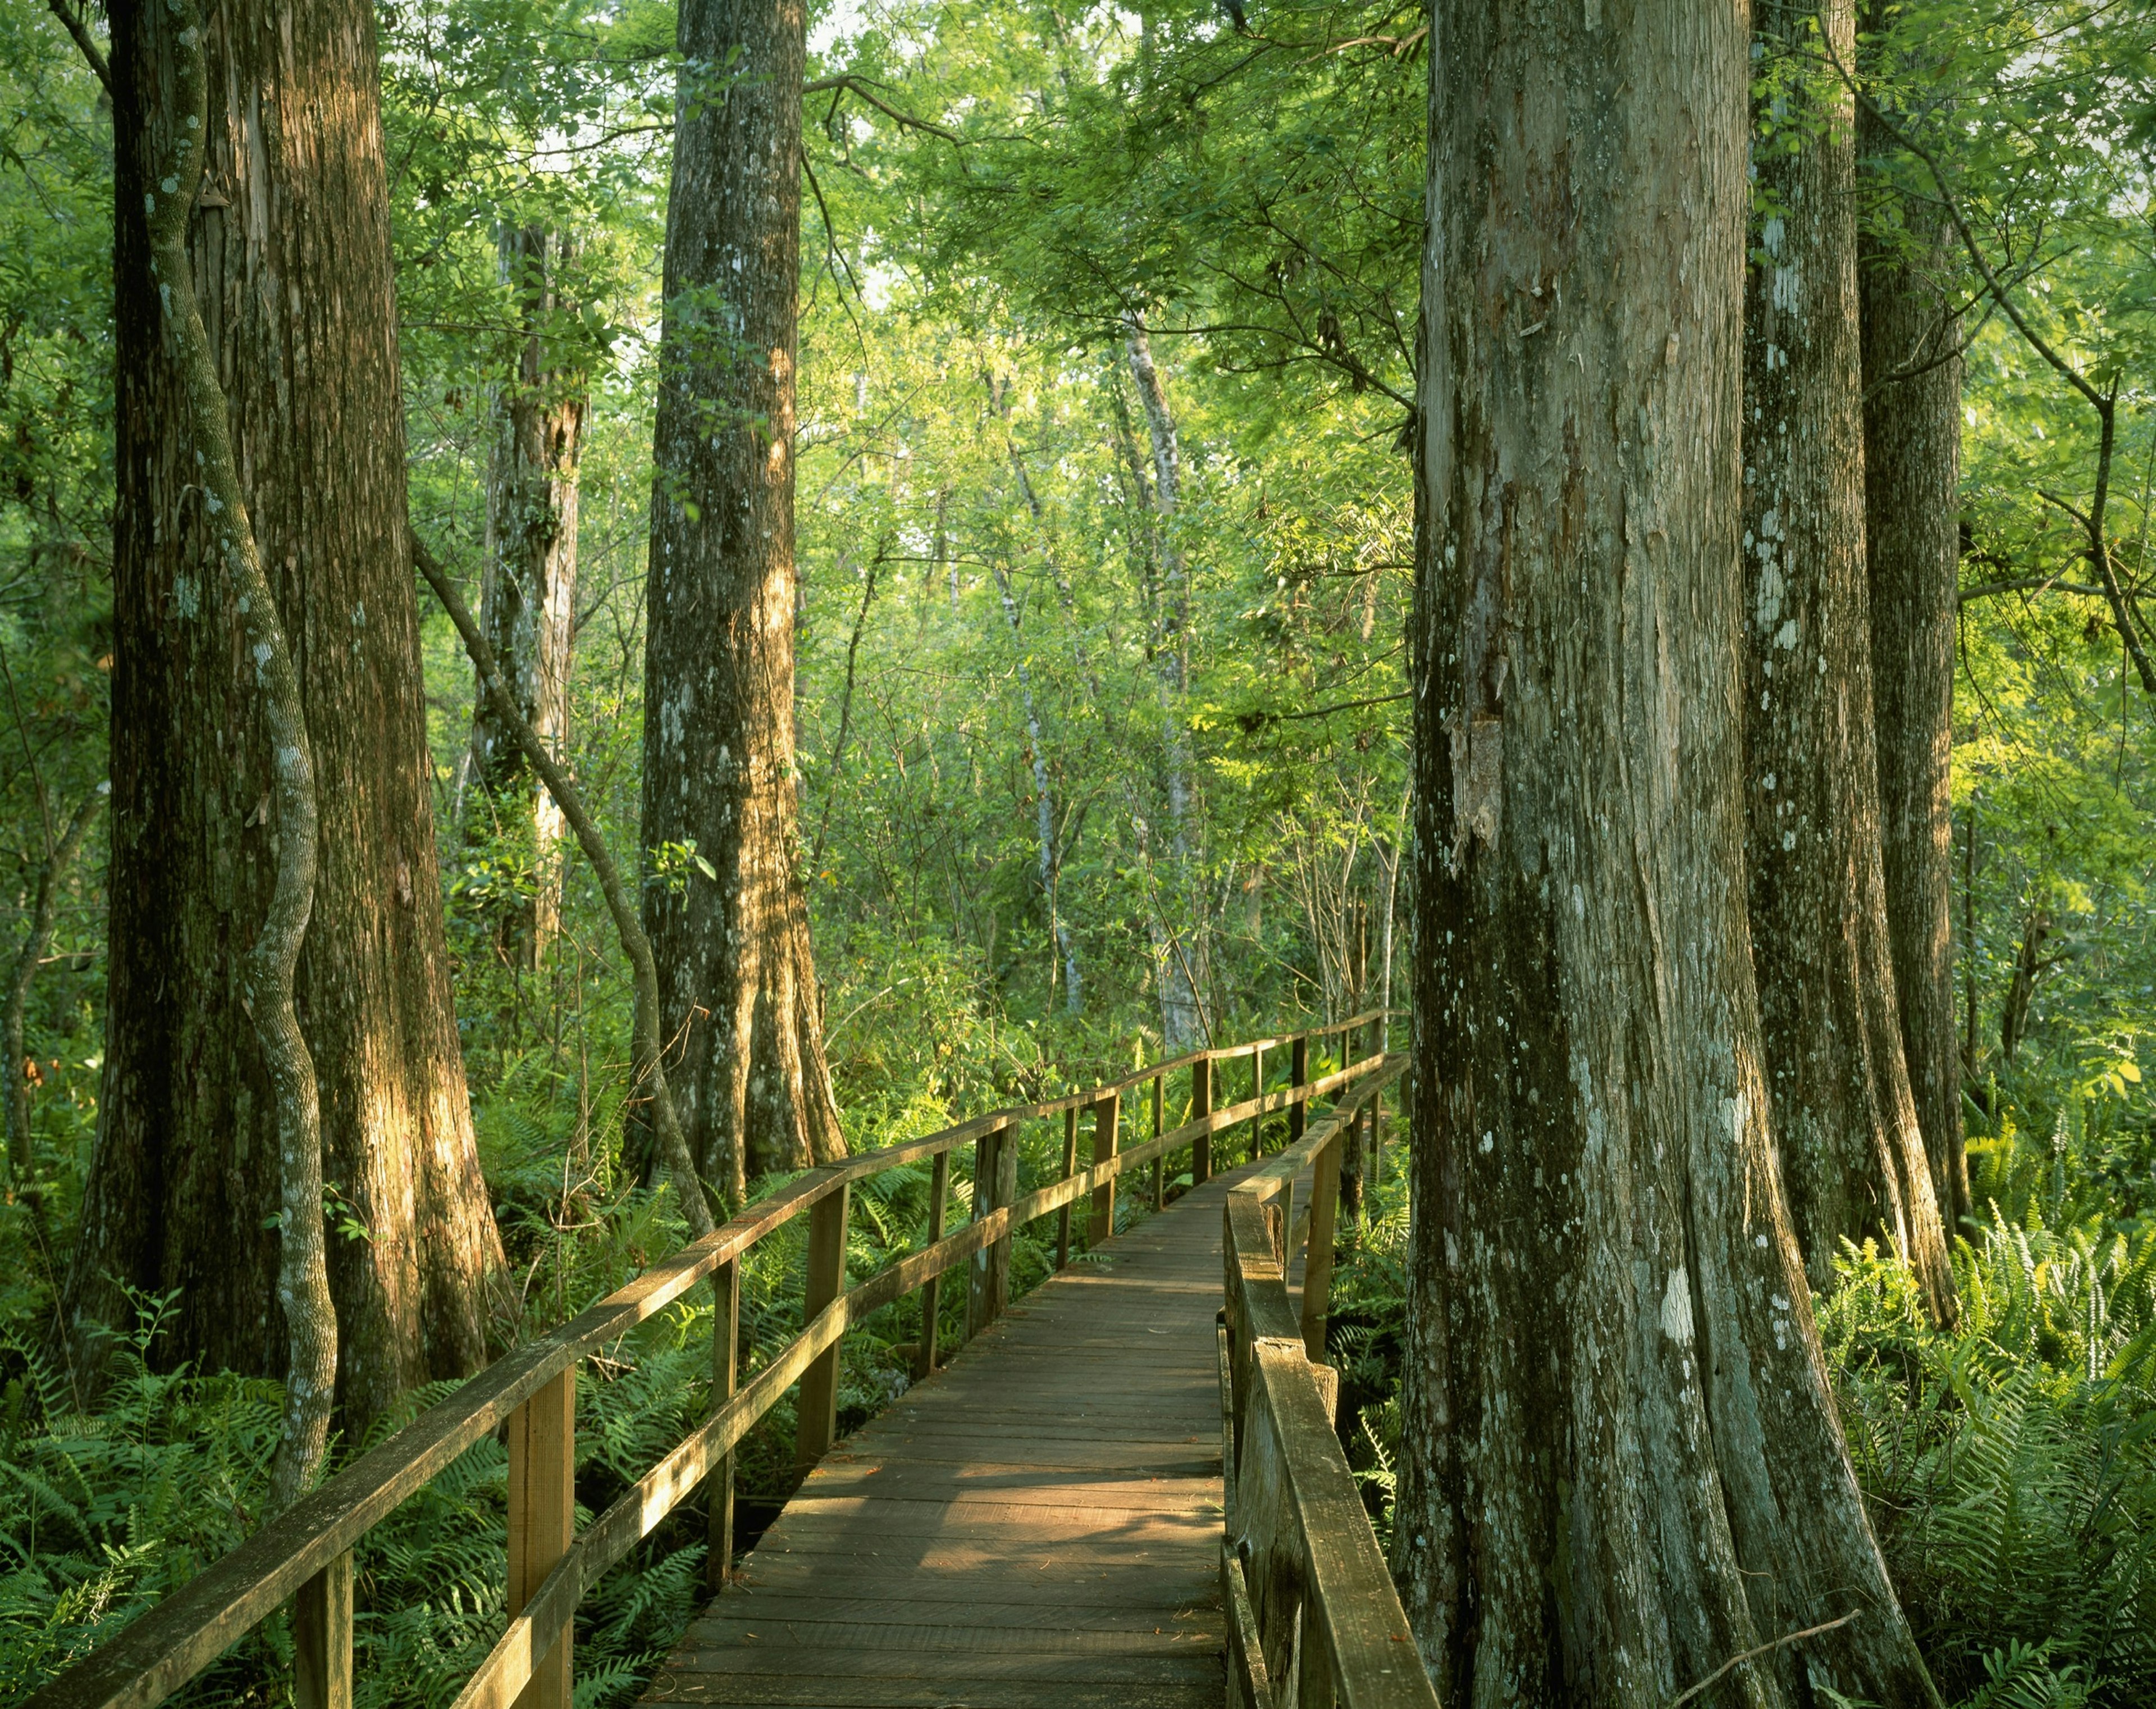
2029 964
1044 805
529 594
1178 998
1852 1153
1621 1462
60 859
1912 381
737 983
290 248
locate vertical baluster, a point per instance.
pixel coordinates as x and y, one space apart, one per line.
321 1639
1069 1168
725 1372
1159 1097
1258 1090
817 1407
1376 1142
931 1291
1106 1114
1298 1115
1201 1104
542 1517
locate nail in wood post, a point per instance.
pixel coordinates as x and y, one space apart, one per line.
1106 1115
1298 1075
1317 1254
931 1291
1069 1169
817 1410
321 1639
995 1185
1159 1096
1201 1104
726 1371
1257 1090
542 1517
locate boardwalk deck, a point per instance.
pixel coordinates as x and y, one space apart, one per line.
1039 1525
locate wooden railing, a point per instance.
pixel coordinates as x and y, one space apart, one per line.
304 1557
1313 1619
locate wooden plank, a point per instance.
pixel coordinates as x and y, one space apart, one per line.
1164 1664
817 1406
321 1639
770 1691
886 1637
542 1519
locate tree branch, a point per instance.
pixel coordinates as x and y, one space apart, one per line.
83 39
649 1070
855 87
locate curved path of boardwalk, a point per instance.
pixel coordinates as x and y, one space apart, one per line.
1038 1526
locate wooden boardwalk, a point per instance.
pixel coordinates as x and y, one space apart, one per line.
1037 1525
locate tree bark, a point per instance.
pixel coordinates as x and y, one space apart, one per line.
1180 1021
1853 1156
1621 1460
528 595
289 247
737 981
1912 382
58 860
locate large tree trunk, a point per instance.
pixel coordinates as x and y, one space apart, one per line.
1621 1463
1852 1153
527 605
737 984
290 252
1912 380
1181 1022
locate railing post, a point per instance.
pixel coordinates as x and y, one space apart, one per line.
1159 1097
995 1185
726 1371
817 1408
1317 1249
542 1517
1351 1171
1201 1104
1258 1090
931 1291
1106 1115
321 1639
1069 1169
1298 1075
1377 1141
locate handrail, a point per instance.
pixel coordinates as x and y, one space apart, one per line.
1313 1618
303 1556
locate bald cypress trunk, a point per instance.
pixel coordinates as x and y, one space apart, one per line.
739 1000
1852 1153
528 601
289 247
1912 382
1621 1464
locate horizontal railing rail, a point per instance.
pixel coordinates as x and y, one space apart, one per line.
1314 1619
303 1556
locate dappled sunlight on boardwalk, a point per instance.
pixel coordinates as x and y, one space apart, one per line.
1038 1524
